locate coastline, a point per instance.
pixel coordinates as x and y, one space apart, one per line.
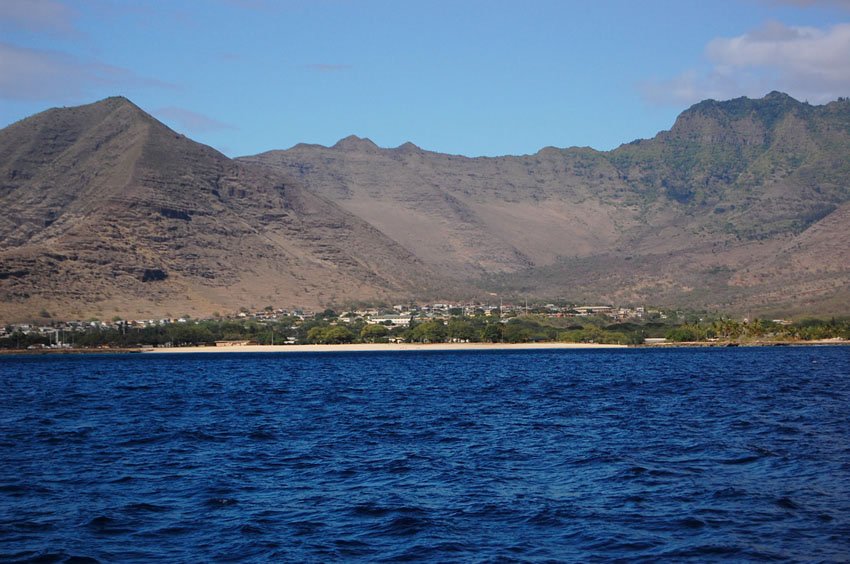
400 347
383 347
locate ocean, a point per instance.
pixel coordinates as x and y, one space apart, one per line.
553 455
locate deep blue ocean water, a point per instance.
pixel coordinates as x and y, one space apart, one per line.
700 454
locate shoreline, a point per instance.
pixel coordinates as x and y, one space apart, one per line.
383 347
421 347
448 347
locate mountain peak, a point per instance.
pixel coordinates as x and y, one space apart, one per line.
115 100
777 95
743 101
114 103
408 147
355 143
769 110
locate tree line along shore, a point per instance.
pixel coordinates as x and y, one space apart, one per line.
327 328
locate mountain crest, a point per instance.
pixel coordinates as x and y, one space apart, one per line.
769 109
408 147
103 202
743 204
355 143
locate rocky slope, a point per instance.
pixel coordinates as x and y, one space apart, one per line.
742 205
105 211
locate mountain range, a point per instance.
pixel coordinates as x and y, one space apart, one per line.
742 206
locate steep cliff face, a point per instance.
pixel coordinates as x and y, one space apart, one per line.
742 205
689 217
105 210
765 167
470 217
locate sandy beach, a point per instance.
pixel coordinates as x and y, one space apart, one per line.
382 347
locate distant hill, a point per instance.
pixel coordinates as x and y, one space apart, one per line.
105 211
742 205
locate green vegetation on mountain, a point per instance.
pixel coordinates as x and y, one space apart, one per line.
742 207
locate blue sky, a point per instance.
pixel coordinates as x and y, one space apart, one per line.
464 76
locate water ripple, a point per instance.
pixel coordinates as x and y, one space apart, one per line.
702 455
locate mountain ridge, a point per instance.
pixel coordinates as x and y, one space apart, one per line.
741 206
107 211
727 178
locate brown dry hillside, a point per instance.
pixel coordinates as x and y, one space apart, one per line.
105 211
742 205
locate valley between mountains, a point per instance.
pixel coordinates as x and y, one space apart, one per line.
742 206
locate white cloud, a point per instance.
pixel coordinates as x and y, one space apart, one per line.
38 15
192 121
33 74
808 63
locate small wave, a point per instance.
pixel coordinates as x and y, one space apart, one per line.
133 387
65 437
33 526
150 439
406 525
370 510
549 517
221 502
598 459
48 557
703 551
612 545
345 473
825 517
172 531
729 493
16 489
262 435
374 510
306 527
786 503
691 523
146 508
431 553
251 530
106 525
741 460
399 466
352 548
201 436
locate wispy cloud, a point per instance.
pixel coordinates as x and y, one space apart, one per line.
192 121
809 63
845 4
33 74
43 16
325 67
